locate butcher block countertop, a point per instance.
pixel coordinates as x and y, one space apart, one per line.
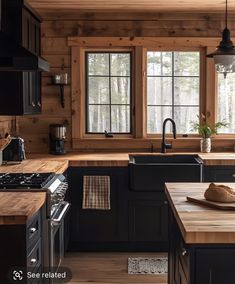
122 159
36 165
19 207
200 224
40 163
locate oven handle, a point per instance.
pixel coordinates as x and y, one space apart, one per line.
57 221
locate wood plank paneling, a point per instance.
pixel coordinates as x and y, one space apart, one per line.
132 5
135 28
8 124
34 129
68 14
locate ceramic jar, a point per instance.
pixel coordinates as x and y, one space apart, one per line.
205 145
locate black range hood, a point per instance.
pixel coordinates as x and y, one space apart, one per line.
13 55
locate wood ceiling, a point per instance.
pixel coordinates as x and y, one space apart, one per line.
134 5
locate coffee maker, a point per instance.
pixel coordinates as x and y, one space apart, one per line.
57 134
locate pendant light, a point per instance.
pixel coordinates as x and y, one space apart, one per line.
224 55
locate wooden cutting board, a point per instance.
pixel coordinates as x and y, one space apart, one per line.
212 204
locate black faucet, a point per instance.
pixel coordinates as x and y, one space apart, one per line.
164 144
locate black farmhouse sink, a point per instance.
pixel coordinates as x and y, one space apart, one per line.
150 172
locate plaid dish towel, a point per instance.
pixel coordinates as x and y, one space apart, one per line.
96 192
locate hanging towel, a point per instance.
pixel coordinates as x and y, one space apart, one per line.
96 192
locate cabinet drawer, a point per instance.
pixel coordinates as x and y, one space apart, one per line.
34 257
220 174
33 230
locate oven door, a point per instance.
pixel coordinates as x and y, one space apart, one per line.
57 236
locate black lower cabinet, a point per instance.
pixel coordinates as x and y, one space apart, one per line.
21 250
136 221
198 264
98 229
219 173
147 220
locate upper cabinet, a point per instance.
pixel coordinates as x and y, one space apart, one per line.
20 91
31 32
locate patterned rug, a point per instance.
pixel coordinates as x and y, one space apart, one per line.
141 265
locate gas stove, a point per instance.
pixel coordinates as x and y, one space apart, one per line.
25 180
55 186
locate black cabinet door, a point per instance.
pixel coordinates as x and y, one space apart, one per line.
98 225
215 266
148 220
26 29
219 173
32 92
30 32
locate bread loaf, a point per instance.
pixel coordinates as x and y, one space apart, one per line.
219 193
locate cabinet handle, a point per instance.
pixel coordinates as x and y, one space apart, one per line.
39 104
184 252
165 202
33 260
233 175
32 230
33 104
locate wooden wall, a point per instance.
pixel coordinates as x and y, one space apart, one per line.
57 27
8 124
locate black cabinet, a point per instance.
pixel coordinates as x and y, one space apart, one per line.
30 33
94 229
21 248
136 221
148 220
219 173
20 93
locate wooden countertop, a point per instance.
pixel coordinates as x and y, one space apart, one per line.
19 207
40 163
122 159
36 165
200 224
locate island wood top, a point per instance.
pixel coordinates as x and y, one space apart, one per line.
200 224
19 207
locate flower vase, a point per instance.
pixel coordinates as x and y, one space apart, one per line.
205 144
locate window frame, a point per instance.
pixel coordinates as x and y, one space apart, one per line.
110 104
138 45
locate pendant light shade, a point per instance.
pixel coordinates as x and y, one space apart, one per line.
224 55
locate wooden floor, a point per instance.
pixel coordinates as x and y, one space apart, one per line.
107 268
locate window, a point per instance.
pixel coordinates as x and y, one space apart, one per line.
226 102
173 89
108 92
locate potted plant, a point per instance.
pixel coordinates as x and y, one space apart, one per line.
206 130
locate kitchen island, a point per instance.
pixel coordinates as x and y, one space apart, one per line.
202 240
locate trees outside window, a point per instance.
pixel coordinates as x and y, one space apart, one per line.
226 102
173 89
108 92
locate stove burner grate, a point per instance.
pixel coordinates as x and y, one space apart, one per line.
25 180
